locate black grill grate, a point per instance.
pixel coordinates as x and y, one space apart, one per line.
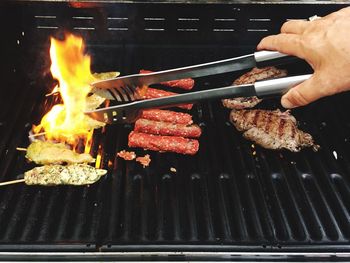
229 197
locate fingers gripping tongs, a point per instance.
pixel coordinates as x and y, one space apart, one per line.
124 89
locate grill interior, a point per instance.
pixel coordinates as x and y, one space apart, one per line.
229 197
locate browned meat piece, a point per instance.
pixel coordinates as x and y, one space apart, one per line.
241 103
144 160
128 156
272 129
250 77
260 74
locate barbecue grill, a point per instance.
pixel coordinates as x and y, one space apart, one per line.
231 201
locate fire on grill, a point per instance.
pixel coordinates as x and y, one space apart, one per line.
66 126
71 67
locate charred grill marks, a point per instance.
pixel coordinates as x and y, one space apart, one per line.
248 78
271 129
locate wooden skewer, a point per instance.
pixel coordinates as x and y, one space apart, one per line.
13 182
21 149
52 94
36 134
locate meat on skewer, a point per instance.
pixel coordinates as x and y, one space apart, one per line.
163 143
42 152
272 129
55 174
186 84
166 128
167 116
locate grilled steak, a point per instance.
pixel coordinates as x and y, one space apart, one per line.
250 77
272 129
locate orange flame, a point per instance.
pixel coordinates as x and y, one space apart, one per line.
71 67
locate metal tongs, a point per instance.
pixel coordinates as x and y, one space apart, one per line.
124 89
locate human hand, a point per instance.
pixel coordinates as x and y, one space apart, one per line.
324 43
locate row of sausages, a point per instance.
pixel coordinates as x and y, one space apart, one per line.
165 130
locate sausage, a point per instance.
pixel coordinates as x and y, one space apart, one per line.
166 128
167 116
152 93
163 143
186 84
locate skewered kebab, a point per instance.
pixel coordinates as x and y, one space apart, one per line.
93 101
56 174
248 78
42 152
272 129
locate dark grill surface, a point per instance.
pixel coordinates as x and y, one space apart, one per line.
231 196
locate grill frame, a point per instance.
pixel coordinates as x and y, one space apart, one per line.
31 46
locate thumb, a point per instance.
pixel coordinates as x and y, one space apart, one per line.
302 94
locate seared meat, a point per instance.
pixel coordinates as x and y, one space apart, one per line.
144 160
127 156
241 103
55 174
272 129
55 153
248 78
